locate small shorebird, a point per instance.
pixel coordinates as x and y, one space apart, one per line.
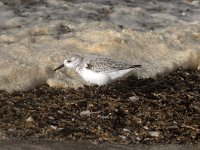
96 69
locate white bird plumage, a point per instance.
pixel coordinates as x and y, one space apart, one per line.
96 69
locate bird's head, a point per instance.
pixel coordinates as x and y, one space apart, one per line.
71 62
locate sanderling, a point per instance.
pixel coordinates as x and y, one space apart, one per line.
96 69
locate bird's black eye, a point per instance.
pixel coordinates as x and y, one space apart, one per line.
69 61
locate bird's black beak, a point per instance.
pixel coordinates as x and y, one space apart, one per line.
61 66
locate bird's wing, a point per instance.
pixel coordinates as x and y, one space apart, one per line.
102 64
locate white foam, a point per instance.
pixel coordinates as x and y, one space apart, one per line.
30 50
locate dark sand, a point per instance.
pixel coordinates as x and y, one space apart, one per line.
72 145
147 111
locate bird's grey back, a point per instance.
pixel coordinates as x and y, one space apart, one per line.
105 64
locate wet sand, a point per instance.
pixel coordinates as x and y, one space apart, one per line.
68 145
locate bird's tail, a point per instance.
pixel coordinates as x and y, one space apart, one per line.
136 66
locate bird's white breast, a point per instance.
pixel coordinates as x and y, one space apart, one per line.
99 78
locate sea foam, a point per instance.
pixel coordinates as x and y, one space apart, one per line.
34 42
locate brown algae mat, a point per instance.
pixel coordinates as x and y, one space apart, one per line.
161 110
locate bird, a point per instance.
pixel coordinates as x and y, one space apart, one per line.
96 69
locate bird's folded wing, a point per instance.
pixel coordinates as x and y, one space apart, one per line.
107 65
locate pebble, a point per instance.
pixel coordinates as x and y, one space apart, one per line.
85 113
146 128
154 133
54 127
122 137
126 130
29 119
134 98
